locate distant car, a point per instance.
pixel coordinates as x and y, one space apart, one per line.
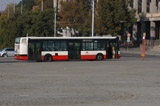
7 52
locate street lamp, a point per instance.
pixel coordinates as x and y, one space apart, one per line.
93 18
42 5
2 6
21 7
142 20
8 11
7 8
14 6
55 17
123 29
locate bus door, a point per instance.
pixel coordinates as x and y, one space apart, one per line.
74 50
34 51
112 45
108 50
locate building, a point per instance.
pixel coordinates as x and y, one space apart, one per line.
148 19
2 13
34 8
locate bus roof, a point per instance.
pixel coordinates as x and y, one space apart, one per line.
70 37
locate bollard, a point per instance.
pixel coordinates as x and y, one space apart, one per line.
143 46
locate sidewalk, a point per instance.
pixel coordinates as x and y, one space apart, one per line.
154 51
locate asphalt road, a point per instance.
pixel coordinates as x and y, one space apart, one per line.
129 81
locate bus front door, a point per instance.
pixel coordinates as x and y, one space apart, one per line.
74 50
112 45
34 51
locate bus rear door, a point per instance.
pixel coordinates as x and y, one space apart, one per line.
74 50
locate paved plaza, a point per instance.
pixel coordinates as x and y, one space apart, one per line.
129 81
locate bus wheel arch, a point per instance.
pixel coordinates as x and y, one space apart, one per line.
99 56
48 58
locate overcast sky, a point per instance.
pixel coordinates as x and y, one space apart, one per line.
3 3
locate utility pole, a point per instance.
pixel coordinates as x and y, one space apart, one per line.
8 11
55 17
2 9
93 18
42 5
1 6
21 7
14 7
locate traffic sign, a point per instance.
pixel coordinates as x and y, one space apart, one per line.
128 35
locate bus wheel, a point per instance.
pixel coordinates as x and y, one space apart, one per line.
99 57
48 58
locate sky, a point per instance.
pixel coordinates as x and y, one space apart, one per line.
3 3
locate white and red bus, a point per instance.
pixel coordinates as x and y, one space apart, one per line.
66 48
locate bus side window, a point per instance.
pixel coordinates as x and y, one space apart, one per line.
57 46
89 45
98 45
83 46
45 46
95 46
51 45
63 46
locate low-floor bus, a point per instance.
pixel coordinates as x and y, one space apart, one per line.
66 48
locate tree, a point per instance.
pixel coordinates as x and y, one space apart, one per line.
10 28
47 4
27 5
75 14
39 23
31 23
9 9
111 14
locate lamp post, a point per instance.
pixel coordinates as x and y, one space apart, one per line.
8 11
142 20
21 7
93 17
14 6
55 17
2 7
123 29
42 5
125 33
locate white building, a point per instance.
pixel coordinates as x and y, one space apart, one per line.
148 19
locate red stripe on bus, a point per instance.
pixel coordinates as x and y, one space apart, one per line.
85 57
57 58
21 57
60 57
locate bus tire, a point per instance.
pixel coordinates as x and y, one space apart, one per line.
48 58
99 57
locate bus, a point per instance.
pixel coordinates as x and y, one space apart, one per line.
66 48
